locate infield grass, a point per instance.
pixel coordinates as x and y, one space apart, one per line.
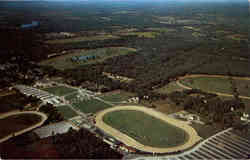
146 129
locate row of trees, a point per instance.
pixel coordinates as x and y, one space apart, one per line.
52 113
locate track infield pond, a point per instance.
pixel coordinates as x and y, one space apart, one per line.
146 129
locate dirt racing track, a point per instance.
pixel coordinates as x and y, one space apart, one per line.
192 140
214 76
43 119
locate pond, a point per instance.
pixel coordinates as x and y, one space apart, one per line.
31 25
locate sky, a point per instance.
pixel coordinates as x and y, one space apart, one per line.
142 0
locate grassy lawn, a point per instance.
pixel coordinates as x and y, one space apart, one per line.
169 88
116 97
146 129
17 123
210 84
66 111
60 90
90 106
65 62
71 97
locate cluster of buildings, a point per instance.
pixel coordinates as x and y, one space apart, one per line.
133 100
59 35
44 96
117 77
115 144
53 129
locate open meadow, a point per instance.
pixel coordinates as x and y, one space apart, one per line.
101 54
218 84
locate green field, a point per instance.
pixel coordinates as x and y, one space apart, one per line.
220 85
66 111
146 129
169 88
90 106
65 62
116 97
210 84
142 34
60 90
82 39
71 97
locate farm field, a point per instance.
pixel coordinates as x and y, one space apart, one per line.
147 130
66 111
60 90
218 84
142 34
90 106
17 123
210 84
65 61
162 30
82 39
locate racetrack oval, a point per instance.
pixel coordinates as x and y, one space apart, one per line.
146 129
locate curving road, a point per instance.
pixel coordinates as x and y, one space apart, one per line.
43 119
